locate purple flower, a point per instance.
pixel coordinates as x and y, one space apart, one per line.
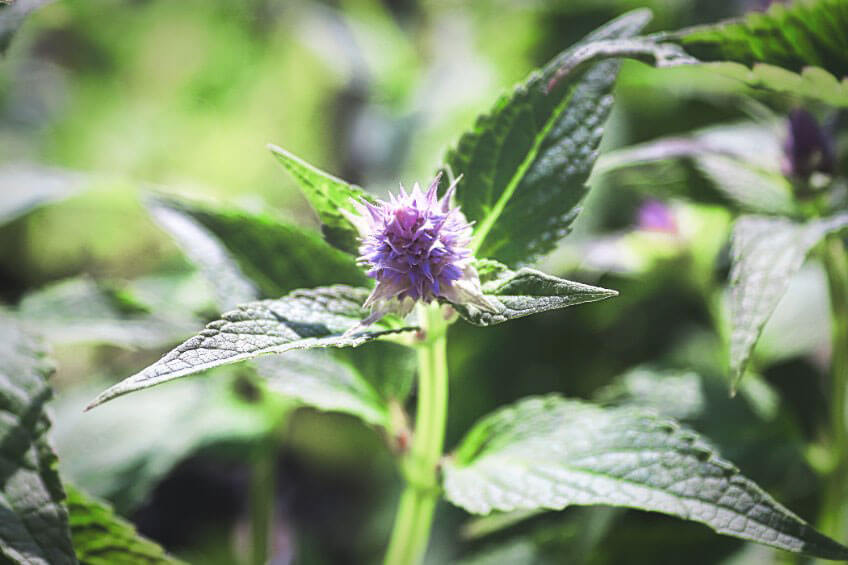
655 215
416 246
808 147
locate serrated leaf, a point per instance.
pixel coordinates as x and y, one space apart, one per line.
316 379
550 452
766 252
797 48
277 256
304 319
212 258
82 310
738 165
33 520
327 195
121 451
526 292
101 537
525 164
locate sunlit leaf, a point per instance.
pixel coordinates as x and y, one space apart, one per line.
550 452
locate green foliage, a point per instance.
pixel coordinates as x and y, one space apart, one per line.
304 319
328 195
121 451
766 253
549 452
526 292
525 163
33 520
278 256
101 537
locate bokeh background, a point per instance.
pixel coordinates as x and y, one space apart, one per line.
103 102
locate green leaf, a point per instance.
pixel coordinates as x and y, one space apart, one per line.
737 164
205 250
121 451
101 537
33 520
550 452
26 187
766 252
526 292
278 256
797 48
304 319
12 15
83 310
327 195
316 379
525 164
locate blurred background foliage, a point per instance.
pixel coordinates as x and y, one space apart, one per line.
103 102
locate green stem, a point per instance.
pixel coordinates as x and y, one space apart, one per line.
262 502
418 501
834 518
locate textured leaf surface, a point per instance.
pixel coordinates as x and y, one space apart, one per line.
102 538
736 164
81 310
277 256
212 258
549 452
33 521
525 164
327 195
766 252
304 319
316 379
122 450
526 292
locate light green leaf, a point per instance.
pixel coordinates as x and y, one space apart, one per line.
26 186
550 452
316 379
304 319
121 451
212 258
101 537
81 310
525 164
766 252
327 195
33 520
797 48
277 256
526 292
675 394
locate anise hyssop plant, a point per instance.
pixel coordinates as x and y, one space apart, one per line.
455 251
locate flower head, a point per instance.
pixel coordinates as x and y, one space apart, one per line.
416 246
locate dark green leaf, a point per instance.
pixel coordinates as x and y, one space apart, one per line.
328 195
766 252
550 452
121 451
304 319
278 256
33 520
81 310
526 292
525 164
101 537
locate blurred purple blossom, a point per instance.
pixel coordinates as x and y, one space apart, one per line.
655 215
808 147
416 246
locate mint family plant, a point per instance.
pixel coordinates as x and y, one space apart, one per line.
507 192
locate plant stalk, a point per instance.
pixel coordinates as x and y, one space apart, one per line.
418 502
262 503
834 515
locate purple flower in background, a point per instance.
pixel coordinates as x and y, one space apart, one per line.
808 147
655 215
417 248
